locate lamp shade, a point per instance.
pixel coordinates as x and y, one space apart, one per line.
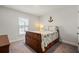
39 26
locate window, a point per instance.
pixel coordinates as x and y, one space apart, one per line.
23 25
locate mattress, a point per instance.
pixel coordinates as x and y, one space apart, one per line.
44 32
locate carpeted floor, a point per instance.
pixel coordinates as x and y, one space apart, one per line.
20 47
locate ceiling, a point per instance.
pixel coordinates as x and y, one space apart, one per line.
37 10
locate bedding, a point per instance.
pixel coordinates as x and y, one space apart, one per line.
48 38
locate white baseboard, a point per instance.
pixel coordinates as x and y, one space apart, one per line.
68 42
15 40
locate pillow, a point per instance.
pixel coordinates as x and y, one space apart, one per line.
45 28
52 28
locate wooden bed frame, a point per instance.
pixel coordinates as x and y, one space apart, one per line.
34 41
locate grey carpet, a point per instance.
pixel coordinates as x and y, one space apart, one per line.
20 47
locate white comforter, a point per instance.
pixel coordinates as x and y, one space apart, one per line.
48 37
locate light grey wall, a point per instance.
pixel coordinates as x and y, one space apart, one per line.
66 20
9 23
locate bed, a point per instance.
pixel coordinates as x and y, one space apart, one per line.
41 41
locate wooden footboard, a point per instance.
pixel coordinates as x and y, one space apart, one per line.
34 41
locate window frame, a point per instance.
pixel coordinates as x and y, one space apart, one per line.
23 26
